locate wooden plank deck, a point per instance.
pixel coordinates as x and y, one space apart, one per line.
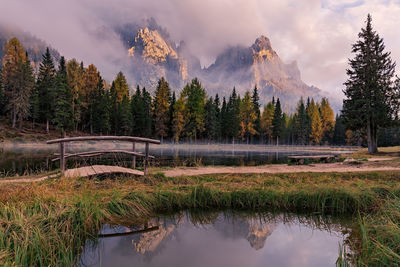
99 169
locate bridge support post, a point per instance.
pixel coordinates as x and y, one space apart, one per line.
62 158
134 157
146 160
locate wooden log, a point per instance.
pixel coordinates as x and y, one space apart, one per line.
62 158
146 160
104 138
134 157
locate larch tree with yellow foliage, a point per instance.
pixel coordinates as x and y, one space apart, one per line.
247 117
161 108
327 120
316 123
266 121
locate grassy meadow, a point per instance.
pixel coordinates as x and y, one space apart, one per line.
47 223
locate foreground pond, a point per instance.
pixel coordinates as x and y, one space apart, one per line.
222 239
23 159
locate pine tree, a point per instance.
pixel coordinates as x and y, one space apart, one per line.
339 133
195 98
125 121
371 99
147 104
211 119
302 123
46 86
102 109
172 102
17 81
256 104
62 117
161 108
91 80
217 107
178 119
232 116
266 121
121 88
316 123
224 119
327 119
277 122
247 118
75 73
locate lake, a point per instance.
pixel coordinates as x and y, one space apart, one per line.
222 239
26 158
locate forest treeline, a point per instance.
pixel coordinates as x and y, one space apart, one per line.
72 97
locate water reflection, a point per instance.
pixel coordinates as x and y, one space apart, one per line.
222 239
23 159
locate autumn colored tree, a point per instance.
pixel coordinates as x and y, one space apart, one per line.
327 120
75 83
266 121
121 88
247 117
316 123
91 78
17 81
161 108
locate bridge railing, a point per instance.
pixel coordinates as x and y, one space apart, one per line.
62 156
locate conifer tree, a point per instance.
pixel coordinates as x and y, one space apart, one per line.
327 119
137 109
102 109
266 121
302 123
147 104
161 108
46 85
277 122
62 117
371 99
232 116
125 121
121 88
316 123
178 118
172 102
256 104
211 119
195 98
247 117
217 107
75 73
339 134
91 80
17 81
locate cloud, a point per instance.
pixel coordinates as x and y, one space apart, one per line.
318 34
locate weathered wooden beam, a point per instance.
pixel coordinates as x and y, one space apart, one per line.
134 157
100 152
146 160
62 158
103 138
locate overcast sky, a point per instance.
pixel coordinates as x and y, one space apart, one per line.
316 33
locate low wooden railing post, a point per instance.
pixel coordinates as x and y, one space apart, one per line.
62 158
134 157
146 159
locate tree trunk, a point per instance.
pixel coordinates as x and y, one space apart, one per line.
372 137
277 141
47 126
14 118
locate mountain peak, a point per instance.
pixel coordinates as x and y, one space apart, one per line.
262 49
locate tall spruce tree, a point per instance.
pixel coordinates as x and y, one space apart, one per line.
171 102
211 119
339 133
161 108
371 99
46 86
195 98
75 73
62 117
277 122
147 104
302 123
101 109
256 104
232 116
217 107
266 121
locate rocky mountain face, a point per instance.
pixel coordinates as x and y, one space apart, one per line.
241 67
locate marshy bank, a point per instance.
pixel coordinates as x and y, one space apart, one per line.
47 223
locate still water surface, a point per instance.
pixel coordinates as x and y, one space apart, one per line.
23 160
222 239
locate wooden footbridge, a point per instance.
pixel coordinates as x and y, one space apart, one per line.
103 169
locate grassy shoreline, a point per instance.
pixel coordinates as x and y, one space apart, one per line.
46 223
